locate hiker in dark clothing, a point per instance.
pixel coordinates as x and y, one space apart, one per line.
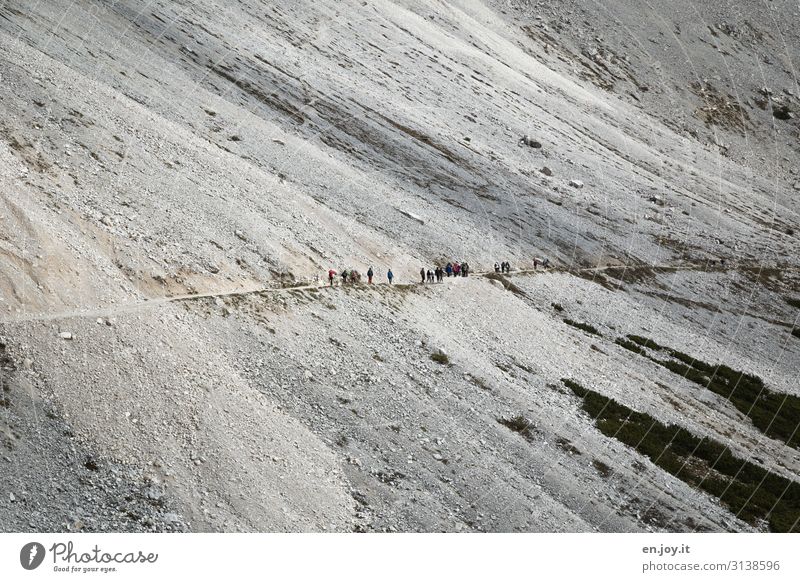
390 276
344 277
496 268
370 274
430 276
465 269
422 274
449 269
535 263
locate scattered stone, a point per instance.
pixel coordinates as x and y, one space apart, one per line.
65 335
411 216
576 184
546 171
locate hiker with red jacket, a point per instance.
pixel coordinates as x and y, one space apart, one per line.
331 275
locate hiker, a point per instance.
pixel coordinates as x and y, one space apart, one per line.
355 276
422 274
390 275
430 276
508 267
496 268
456 269
465 269
535 263
546 263
449 269
370 273
344 277
331 275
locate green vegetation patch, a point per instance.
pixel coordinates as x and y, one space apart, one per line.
588 328
519 424
748 491
775 414
509 286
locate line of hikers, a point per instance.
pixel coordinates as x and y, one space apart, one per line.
353 276
435 275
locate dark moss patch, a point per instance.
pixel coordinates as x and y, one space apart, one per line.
507 284
596 277
588 328
773 413
440 358
519 424
557 307
629 345
631 274
644 342
748 491
603 469
566 445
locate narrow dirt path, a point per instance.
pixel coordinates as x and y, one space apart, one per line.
155 302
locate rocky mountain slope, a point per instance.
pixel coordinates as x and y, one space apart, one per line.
158 150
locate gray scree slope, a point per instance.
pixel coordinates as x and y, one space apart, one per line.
155 149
